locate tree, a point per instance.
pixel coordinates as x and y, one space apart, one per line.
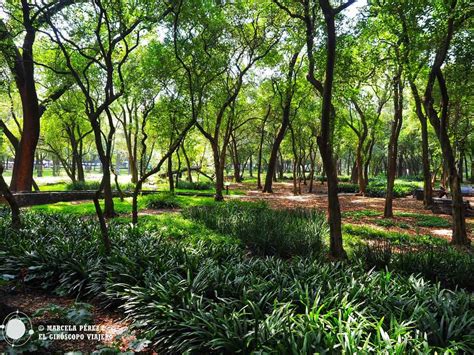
439 119
112 46
327 109
285 95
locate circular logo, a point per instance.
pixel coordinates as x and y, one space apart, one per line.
16 329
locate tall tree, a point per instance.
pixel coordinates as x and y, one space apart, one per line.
440 119
307 13
285 94
21 62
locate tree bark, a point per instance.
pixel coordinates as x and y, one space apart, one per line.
286 112
15 210
393 143
427 186
439 121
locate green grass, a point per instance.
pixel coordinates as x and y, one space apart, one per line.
83 208
367 232
424 220
59 186
191 295
360 214
87 208
388 223
266 231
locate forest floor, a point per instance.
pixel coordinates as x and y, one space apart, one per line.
358 209
410 218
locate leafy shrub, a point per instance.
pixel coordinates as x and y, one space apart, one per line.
443 264
82 185
78 313
214 298
377 187
359 214
162 201
347 187
426 220
344 178
266 231
195 185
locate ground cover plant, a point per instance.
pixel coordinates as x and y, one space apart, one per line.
266 231
206 294
255 177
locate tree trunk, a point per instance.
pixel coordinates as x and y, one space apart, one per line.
354 172
286 106
15 210
170 174
439 121
22 175
39 165
325 138
393 143
188 163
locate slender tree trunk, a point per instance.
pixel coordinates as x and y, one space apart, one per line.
286 106
170 174
325 139
354 172
15 210
250 166
370 148
393 143
79 161
188 163
219 169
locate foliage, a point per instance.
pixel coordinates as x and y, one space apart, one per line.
195 185
367 232
402 188
266 231
445 264
207 297
78 313
347 187
82 185
160 201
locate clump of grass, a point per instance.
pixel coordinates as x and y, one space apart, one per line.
82 185
266 231
367 232
388 223
425 220
195 185
359 214
439 263
214 298
162 201
347 187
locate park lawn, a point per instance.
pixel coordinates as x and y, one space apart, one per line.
87 208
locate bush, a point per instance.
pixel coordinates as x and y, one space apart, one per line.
201 185
83 185
348 188
377 187
444 264
206 298
161 201
266 231
344 178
